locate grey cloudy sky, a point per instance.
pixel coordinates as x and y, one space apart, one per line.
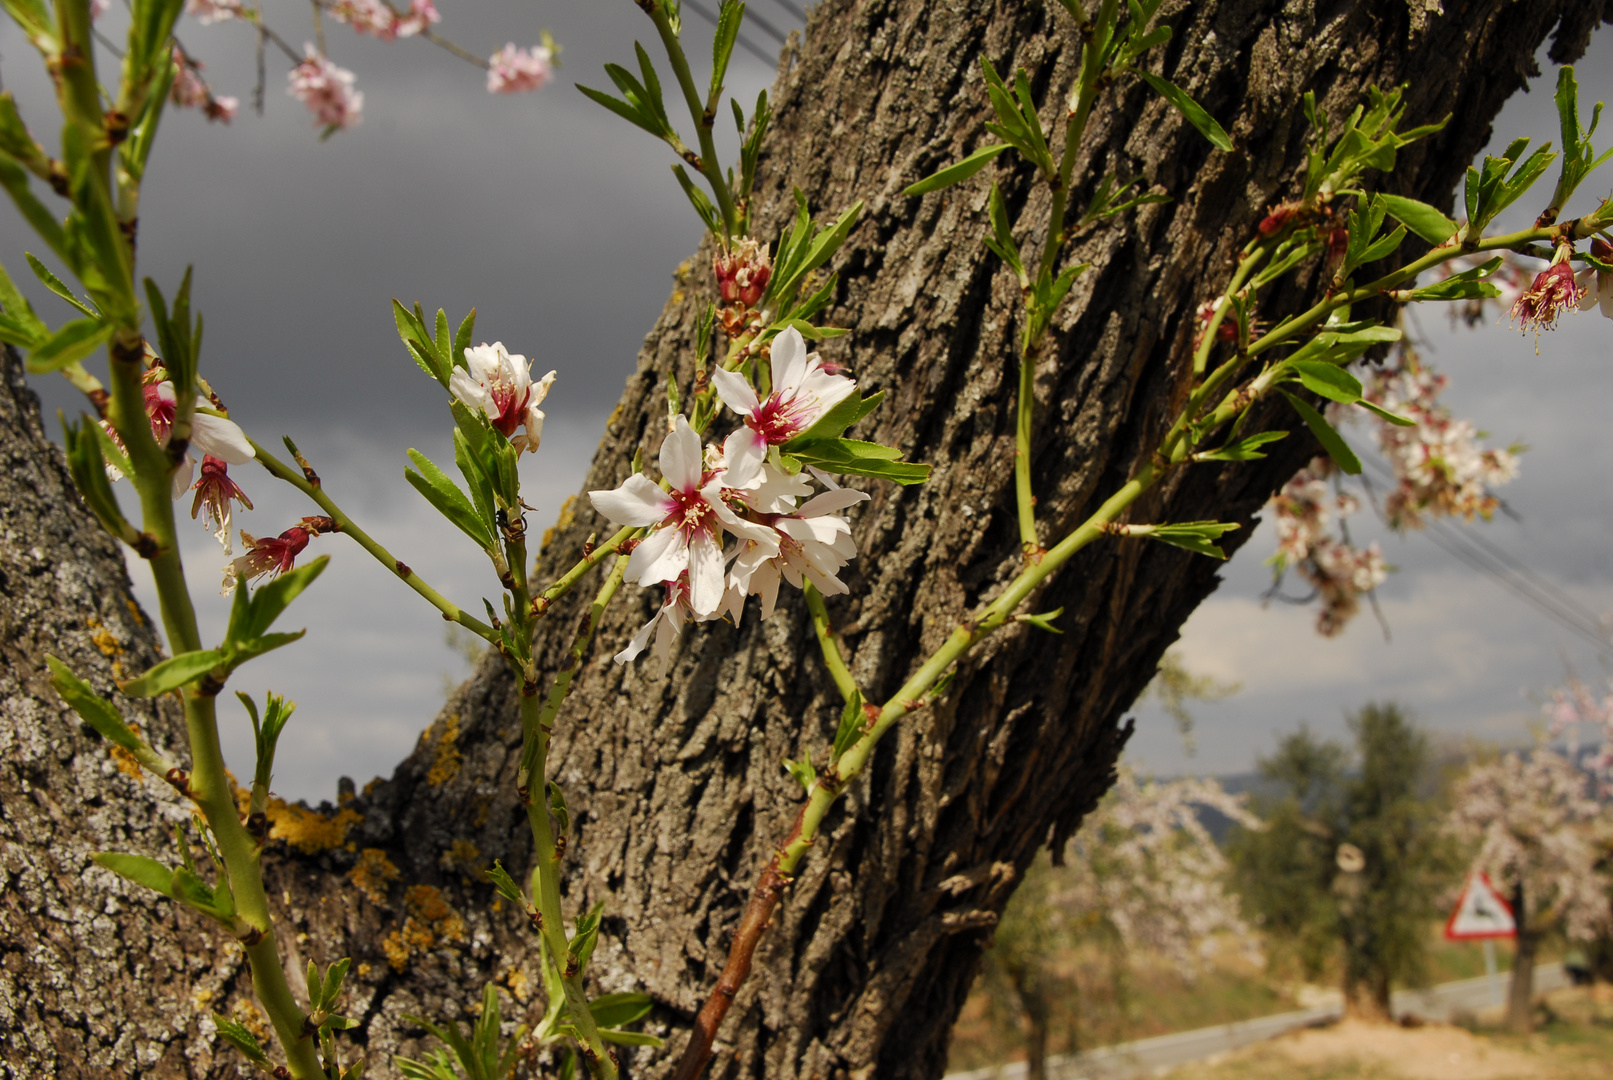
562 226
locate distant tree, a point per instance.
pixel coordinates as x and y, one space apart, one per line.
1536 830
1351 857
1142 872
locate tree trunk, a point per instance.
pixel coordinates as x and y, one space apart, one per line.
1037 1011
675 784
1521 988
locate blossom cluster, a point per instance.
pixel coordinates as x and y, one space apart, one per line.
327 91
729 522
1340 572
219 440
1575 704
1151 869
1534 823
380 20
1441 469
190 90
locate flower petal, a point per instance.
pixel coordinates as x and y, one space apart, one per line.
705 575
735 392
640 639
661 556
638 502
829 501
789 361
680 457
222 438
744 451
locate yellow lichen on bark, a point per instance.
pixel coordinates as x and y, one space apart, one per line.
446 761
373 873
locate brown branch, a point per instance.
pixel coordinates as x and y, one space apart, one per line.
758 913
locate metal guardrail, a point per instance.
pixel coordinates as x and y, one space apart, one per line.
1146 1057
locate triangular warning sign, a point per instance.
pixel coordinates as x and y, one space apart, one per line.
1480 913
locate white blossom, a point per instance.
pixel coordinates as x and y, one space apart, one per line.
498 384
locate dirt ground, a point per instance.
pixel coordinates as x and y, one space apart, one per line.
1575 1042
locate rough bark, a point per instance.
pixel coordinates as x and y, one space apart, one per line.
675 784
1521 987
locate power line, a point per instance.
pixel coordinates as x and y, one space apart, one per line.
1508 571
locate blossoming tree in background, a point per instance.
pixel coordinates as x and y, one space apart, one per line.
1142 874
745 496
1543 839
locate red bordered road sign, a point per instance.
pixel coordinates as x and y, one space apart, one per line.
1480 913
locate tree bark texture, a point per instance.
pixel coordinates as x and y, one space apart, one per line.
1521 987
675 784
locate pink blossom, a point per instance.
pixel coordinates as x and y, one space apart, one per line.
743 272
191 91
97 8
811 545
1554 291
1535 825
327 91
215 491
365 17
1338 571
211 11
271 557
499 385
421 16
1596 286
1441 469
665 625
688 521
512 70
802 393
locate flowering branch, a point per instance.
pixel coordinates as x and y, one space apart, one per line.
305 481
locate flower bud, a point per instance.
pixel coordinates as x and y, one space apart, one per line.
743 272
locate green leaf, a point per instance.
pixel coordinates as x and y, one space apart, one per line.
856 458
630 1038
238 1036
639 118
1243 450
956 173
698 199
832 424
272 598
851 725
825 242
449 501
557 806
802 771
1420 218
335 975
1328 381
140 870
1331 440
729 17
57 286
619 1010
415 337
173 673
1384 414
582 943
462 338
92 708
1042 622
505 885
1194 536
1033 122
1191 109
1001 242
72 343
241 652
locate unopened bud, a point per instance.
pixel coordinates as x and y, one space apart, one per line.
743 272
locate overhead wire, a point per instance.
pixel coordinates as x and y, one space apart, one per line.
1507 570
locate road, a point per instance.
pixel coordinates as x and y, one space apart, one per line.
1147 1057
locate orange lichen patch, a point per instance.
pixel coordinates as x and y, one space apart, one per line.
134 611
249 1016
364 971
309 831
125 761
483 808
103 639
445 763
372 873
567 511
520 986
430 922
463 856
375 782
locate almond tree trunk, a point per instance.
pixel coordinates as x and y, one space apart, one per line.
675 784
1521 987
